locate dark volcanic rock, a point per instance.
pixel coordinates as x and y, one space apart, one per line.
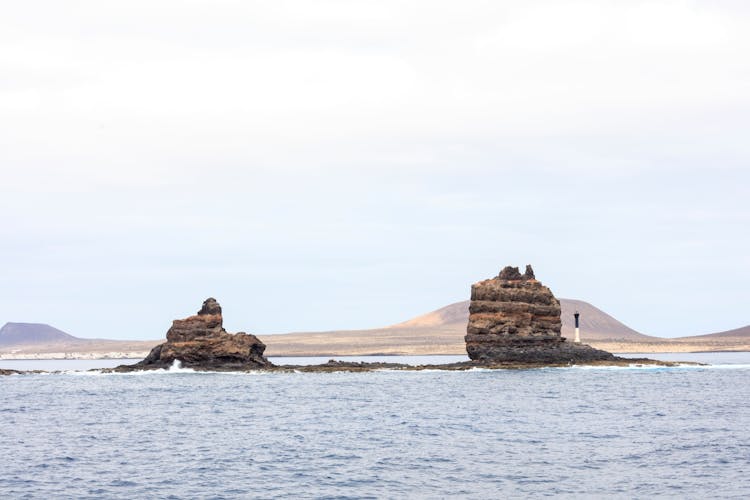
200 342
510 273
529 274
210 306
514 318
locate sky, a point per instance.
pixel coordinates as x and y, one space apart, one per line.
343 164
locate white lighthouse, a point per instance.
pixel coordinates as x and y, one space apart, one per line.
577 339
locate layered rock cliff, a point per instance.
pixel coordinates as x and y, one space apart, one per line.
514 318
200 342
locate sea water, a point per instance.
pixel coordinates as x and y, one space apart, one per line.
569 432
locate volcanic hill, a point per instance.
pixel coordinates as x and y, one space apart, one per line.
12 334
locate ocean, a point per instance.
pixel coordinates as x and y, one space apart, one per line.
577 432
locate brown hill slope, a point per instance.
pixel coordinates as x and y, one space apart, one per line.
595 324
438 332
457 313
737 333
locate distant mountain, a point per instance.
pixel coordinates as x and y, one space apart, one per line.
595 324
439 332
38 339
453 314
32 333
737 333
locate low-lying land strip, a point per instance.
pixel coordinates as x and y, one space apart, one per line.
396 341
438 332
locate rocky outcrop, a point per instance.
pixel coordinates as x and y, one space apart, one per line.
514 318
200 342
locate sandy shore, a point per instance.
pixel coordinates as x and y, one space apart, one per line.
320 345
75 355
618 347
405 341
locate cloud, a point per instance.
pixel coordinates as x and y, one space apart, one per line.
378 141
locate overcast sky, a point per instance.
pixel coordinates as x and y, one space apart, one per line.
320 165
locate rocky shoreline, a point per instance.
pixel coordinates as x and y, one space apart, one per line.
349 366
514 323
334 366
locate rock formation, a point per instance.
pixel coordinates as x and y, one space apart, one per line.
200 342
514 318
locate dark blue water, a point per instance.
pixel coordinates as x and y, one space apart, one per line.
572 432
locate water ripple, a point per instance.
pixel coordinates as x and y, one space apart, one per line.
478 434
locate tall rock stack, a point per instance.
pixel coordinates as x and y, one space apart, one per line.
514 318
201 342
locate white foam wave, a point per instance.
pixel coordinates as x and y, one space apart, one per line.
177 368
161 371
679 366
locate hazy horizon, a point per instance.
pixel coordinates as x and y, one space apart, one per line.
350 165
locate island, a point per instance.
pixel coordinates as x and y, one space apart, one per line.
514 322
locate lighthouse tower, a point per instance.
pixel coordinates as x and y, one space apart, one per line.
577 339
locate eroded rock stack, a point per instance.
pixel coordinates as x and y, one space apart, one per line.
200 342
514 318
